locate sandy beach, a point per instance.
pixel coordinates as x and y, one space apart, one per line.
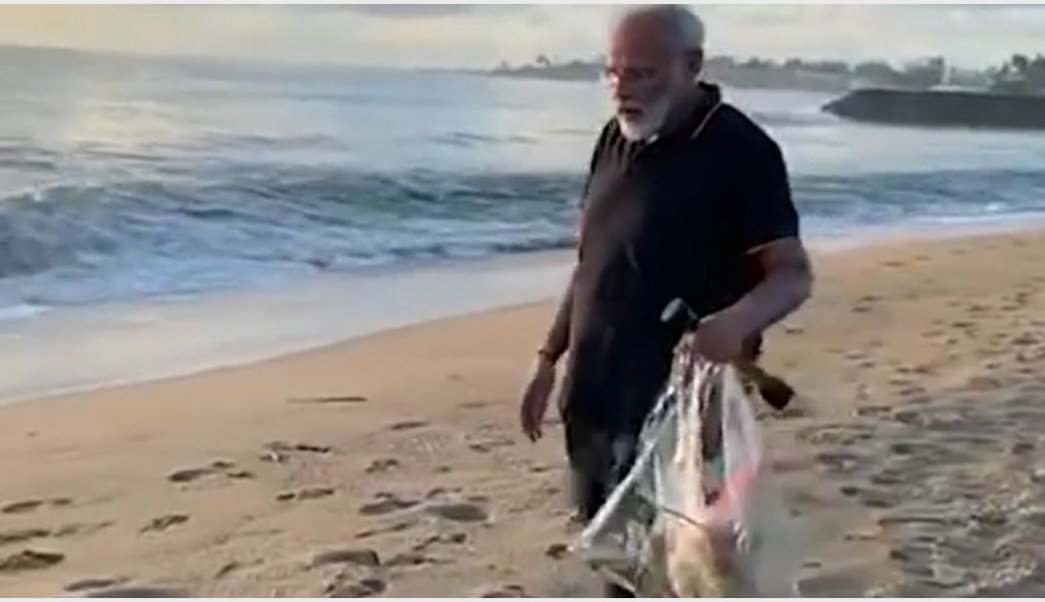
392 464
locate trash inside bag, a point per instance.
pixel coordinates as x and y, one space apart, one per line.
686 521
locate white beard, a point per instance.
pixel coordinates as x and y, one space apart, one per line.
647 126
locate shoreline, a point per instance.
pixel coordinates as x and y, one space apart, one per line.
311 314
918 370
115 344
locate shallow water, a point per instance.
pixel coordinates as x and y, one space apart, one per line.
123 178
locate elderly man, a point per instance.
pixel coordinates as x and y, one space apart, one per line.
686 198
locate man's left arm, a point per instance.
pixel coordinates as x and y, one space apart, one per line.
767 230
786 283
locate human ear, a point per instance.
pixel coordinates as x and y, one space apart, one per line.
694 62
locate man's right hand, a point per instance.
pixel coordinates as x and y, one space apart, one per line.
535 399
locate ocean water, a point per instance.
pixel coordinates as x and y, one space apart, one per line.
125 178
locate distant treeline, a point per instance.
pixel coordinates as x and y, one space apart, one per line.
1019 73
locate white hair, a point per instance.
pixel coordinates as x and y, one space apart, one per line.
685 26
686 31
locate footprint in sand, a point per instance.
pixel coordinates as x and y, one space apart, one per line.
956 527
187 475
867 364
277 452
382 465
793 412
413 559
910 418
840 462
905 448
334 399
84 585
387 504
81 529
29 560
486 447
459 512
439 492
273 457
837 585
397 527
985 383
877 499
232 566
557 551
474 405
308 493
217 468
139 591
501 591
1021 448
454 538
837 434
163 523
914 395
915 558
865 534
364 588
357 556
33 505
872 411
888 477
1024 340
22 535
408 425
28 534
288 448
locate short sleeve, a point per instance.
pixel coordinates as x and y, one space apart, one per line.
764 210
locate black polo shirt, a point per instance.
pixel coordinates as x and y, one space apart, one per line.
675 217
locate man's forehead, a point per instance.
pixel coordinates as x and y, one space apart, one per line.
641 37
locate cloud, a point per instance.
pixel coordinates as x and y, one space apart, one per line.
409 11
970 35
483 35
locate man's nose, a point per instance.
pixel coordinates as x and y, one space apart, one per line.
621 89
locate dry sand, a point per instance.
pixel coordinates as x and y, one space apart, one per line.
392 464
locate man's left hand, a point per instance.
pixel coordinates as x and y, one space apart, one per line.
718 338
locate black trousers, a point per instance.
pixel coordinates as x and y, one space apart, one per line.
599 461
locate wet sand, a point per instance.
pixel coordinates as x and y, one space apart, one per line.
391 465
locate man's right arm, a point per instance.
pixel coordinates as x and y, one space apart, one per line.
557 342
558 339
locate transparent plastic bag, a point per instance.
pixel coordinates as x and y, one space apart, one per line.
685 520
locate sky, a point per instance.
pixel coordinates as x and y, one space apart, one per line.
477 36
